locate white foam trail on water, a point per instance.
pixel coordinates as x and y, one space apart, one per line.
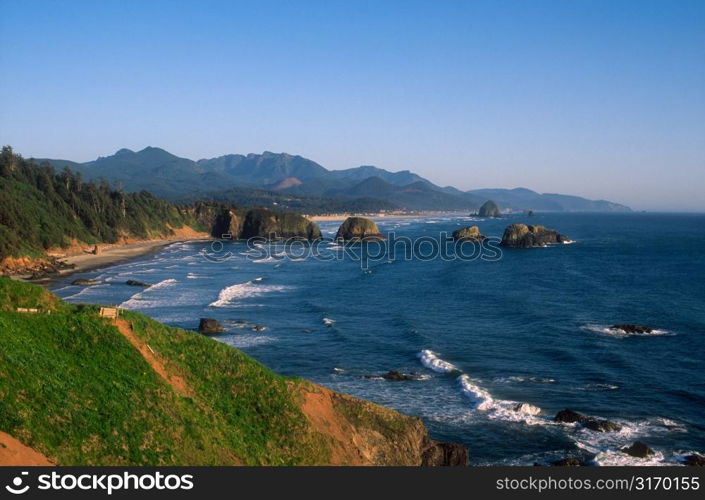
85 291
500 409
525 379
141 299
431 361
229 295
266 260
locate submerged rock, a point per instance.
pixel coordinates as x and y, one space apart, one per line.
489 209
259 328
358 229
632 328
210 326
137 283
468 233
601 425
85 282
596 424
638 449
392 375
523 236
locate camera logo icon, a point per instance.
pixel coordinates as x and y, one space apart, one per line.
16 488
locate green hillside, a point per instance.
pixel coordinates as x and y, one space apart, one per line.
42 209
76 389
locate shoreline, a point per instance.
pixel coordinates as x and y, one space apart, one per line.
378 216
116 255
108 256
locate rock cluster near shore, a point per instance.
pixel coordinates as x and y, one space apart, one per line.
595 424
358 229
468 233
526 236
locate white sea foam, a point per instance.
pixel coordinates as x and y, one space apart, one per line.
85 291
145 297
228 296
431 361
607 446
266 260
194 276
519 379
500 409
328 322
245 341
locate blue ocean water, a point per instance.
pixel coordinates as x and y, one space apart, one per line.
480 336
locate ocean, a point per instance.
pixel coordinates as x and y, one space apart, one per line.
476 335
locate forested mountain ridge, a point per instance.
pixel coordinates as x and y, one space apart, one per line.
301 184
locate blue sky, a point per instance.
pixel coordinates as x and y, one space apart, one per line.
604 99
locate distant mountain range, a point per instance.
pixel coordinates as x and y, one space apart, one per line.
297 183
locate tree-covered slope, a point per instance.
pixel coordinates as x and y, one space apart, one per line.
42 209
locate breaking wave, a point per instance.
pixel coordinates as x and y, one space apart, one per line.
432 362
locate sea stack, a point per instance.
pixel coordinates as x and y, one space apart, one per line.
260 222
468 233
523 236
358 229
489 209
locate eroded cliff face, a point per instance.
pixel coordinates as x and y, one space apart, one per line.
363 433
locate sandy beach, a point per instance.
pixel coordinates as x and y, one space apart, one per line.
115 254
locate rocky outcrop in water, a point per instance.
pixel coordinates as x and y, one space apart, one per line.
489 209
525 236
137 283
392 375
634 329
468 233
210 326
694 460
358 229
638 449
260 222
596 424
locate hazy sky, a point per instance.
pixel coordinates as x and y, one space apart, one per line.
599 99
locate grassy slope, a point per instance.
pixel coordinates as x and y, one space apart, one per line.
74 388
